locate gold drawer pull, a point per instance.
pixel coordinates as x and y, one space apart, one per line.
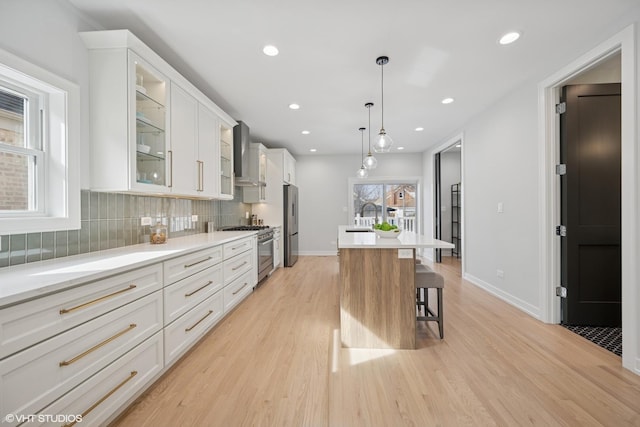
95 301
97 346
238 266
199 289
243 286
198 322
197 262
105 397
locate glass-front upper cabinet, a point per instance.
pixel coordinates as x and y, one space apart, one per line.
226 161
150 130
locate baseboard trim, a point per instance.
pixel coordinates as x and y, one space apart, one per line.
514 301
317 253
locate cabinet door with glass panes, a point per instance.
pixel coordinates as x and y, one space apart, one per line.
226 161
148 138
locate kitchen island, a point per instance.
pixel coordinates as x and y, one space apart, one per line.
377 287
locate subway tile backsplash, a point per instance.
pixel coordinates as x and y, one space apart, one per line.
111 220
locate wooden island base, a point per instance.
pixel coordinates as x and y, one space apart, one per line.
377 299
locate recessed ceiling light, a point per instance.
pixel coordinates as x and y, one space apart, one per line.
509 38
313 150
305 132
400 148
447 100
270 50
419 129
294 106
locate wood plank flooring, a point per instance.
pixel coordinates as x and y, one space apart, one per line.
274 362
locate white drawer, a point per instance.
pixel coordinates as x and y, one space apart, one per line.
25 324
237 266
237 291
186 330
186 265
238 246
112 387
35 377
185 294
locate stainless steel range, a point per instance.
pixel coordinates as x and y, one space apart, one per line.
265 247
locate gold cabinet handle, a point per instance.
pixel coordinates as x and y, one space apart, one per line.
97 346
197 262
95 301
243 286
199 289
103 398
237 267
198 322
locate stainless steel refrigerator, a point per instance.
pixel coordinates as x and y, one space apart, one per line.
290 225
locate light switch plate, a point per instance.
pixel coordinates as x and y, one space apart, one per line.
194 218
405 253
145 220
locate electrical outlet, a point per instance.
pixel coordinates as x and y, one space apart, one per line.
500 207
405 253
500 274
194 218
145 220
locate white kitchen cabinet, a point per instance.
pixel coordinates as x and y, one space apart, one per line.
225 150
142 140
208 153
183 167
289 168
240 270
194 140
258 172
129 122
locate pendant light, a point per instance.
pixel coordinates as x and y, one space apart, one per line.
362 172
370 162
384 142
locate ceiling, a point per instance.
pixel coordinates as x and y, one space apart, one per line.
327 61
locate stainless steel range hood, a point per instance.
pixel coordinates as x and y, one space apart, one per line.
242 163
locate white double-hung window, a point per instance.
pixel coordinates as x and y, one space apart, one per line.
39 158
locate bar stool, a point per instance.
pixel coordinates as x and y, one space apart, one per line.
426 279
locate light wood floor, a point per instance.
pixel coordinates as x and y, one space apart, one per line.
274 362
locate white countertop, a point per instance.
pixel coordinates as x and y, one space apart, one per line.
26 281
364 240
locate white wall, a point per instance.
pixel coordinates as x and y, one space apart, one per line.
45 33
324 198
501 167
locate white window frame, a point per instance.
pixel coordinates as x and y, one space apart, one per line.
351 181
59 173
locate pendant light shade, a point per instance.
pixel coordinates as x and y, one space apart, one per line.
362 172
370 162
383 141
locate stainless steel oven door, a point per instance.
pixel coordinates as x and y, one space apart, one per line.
265 258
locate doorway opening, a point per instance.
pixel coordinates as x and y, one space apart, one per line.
448 202
622 44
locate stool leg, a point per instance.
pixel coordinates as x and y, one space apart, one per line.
440 317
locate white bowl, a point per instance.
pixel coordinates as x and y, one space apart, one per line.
391 234
143 148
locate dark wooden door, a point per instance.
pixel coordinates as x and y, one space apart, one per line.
591 258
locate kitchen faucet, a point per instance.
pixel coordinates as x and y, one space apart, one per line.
375 208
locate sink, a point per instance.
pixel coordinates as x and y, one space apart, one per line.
358 230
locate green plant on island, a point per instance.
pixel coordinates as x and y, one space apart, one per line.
385 226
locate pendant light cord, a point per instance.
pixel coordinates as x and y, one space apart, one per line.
382 94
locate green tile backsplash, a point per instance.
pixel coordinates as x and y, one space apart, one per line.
111 220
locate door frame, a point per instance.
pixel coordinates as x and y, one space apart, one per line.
549 189
430 198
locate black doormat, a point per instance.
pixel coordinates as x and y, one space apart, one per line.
608 338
